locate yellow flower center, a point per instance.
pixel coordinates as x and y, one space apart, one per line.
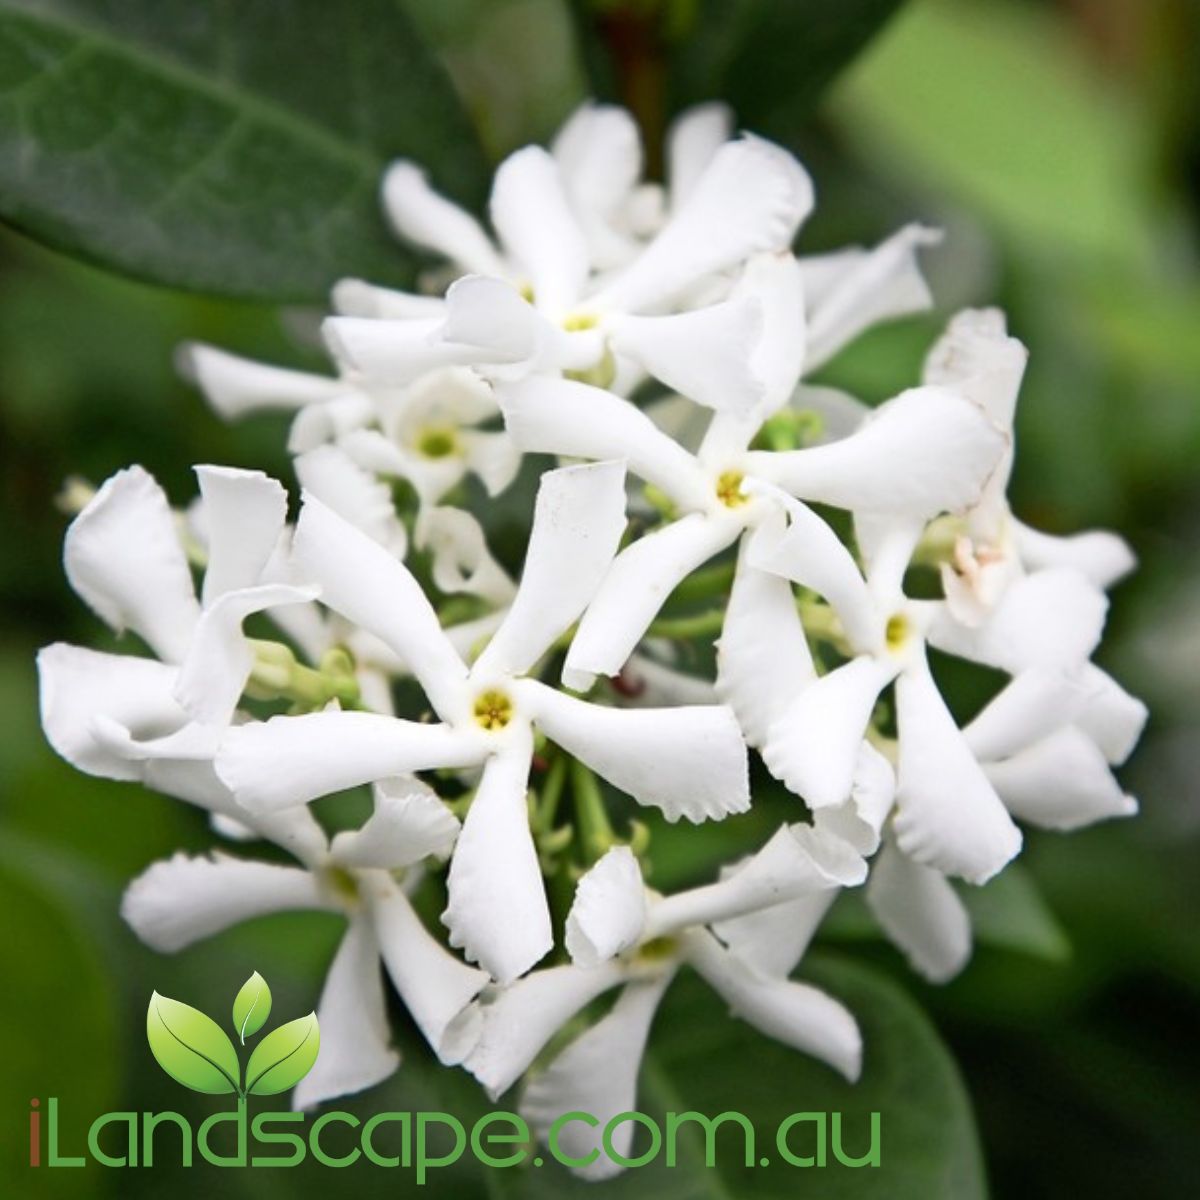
343 885
437 441
729 489
657 950
493 709
526 291
579 322
896 632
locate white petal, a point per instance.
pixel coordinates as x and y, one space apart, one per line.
597 1074
437 989
1061 782
812 747
751 198
925 452
608 915
762 655
562 416
706 355
840 413
409 823
397 352
219 659
1036 702
123 558
428 220
317 424
647 683
921 913
493 456
235 386
1112 718
497 911
636 586
244 514
531 215
976 358
948 814
868 286
269 765
578 520
368 586
334 478
689 762
519 1020
796 1014
181 900
357 298
356 1042
492 314
798 861
860 820
461 559
1105 558
693 139
773 940
77 685
1054 618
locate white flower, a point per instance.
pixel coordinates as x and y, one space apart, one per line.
184 899
597 1072
687 761
925 452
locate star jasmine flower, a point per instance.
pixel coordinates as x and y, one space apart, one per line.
623 936
365 875
687 761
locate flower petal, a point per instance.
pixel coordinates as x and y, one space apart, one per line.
1112 718
181 900
1036 702
356 1042
1105 558
636 586
124 560
693 139
562 416
689 762
922 453
948 815
368 586
235 386
357 298
773 940
813 745
534 221
608 915
428 220
461 559
578 520
1061 782
976 358
493 315
796 1014
859 821
398 351
921 913
497 911
270 765
244 515
437 989
597 1074
334 478
410 822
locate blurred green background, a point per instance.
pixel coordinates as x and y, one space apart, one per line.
1059 146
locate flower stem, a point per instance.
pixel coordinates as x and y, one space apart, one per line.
595 831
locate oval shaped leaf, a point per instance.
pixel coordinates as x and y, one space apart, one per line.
251 1007
192 1048
224 148
283 1057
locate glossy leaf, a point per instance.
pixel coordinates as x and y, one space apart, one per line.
191 1047
226 148
1009 912
283 1057
251 1006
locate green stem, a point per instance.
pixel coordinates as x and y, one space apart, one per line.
702 584
595 832
705 624
551 793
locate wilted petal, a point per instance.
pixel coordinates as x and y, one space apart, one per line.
437 989
1061 782
356 1043
235 386
948 815
578 520
269 765
921 912
608 915
497 911
123 558
636 586
410 822
796 1014
358 496
181 900
244 514
597 1074
1105 558
428 220
689 762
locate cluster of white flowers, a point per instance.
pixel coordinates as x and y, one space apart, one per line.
654 339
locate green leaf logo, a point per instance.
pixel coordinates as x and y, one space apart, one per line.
251 1007
192 1048
283 1057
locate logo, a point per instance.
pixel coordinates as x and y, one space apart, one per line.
195 1051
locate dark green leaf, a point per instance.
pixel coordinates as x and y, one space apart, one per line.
1009 912
227 148
283 1057
191 1047
251 1006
